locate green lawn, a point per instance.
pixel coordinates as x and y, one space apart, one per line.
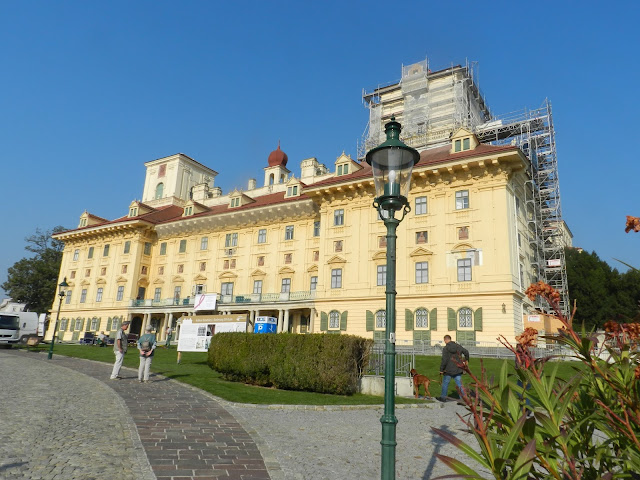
194 370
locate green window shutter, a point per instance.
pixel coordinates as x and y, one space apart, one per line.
451 319
83 324
477 320
369 321
379 336
422 335
324 322
465 336
72 324
343 321
408 320
108 323
433 319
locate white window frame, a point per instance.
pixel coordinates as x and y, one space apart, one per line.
465 318
381 319
90 253
285 286
120 294
157 294
421 205
462 199
76 254
338 217
67 297
83 295
163 248
257 286
381 277
147 248
316 228
262 235
99 293
464 270
313 284
95 324
422 272
422 318
288 232
336 278
127 247
105 250
182 248
204 243
226 288
334 320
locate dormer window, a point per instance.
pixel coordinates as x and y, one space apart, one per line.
133 212
292 191
83 222
235 202
462 144
188 210
343 169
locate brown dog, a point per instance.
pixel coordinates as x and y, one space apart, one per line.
420 380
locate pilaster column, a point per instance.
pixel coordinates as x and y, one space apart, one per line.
279 329
285 327
312 319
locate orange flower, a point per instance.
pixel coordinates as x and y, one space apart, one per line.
544 290
633 223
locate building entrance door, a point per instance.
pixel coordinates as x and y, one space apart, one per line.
136 325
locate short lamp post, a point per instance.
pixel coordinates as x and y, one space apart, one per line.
61 293
392 163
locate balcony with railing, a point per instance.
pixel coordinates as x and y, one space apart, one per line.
250 298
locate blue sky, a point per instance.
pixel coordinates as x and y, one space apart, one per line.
90 91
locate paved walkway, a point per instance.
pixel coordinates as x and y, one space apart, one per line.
168 430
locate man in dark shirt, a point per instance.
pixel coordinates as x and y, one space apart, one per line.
119 348
453 355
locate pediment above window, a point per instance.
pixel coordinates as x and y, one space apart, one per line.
336 259
177 279
226 275
462 247
419 252
158 281
121 279
381 255
199 278
101 281
285 270
312 268
85 282
258 273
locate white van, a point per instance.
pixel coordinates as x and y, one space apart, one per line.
19 326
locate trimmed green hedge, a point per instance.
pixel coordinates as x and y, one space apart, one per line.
314 362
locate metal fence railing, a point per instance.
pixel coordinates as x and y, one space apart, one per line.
406 352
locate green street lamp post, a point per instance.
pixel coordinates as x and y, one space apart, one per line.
392 162
61 293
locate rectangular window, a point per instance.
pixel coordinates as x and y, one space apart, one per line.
95 324
381 319
288 232
83 295
314 283
99 295
334 319
382 275
105 251
147 248
345 169
204 243
157 294
226 288
466 144
257 286
90 254
67 297
464 270
457 146
421 237
336 278
339 172
422 272
176 293
316 229
199 289
183 246
76 253
124 268
421 205
338 217
127 246
120 293
231 240
262 235
163 248
462 199
286 285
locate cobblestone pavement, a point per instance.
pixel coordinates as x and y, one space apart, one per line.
189 434
58 424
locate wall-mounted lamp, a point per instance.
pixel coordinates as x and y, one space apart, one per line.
504 308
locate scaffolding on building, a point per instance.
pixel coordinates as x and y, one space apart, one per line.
432 105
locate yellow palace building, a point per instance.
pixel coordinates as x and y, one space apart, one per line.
310 249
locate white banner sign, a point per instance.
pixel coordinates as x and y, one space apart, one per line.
205 301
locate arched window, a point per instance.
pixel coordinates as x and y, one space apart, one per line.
281 178
464 318
159 190
334 319
422 318
381 319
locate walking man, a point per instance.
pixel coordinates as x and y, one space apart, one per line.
119 348
453 355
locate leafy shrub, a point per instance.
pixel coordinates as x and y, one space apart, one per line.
316 362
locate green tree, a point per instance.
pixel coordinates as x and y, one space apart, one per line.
601 292
33 280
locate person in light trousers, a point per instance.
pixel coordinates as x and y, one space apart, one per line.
119 348
146 345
